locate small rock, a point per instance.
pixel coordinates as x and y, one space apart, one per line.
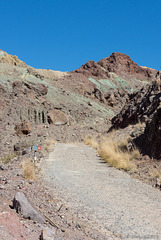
2 167
26 151
2 187
90 103
47 234
21 204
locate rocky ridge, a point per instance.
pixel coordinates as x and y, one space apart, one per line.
144 106
118 63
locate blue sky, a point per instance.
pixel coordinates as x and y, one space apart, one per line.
64 34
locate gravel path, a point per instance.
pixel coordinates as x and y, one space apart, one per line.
122 205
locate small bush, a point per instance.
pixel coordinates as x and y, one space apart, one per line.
28 169
7 158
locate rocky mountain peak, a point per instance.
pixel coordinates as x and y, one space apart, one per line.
118 63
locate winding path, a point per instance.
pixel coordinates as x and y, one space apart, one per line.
125 206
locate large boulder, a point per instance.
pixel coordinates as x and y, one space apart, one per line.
57 117
22 206
23 128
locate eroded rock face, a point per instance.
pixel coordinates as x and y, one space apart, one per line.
150 142
23 128
144 106
29 89
57 117
140 107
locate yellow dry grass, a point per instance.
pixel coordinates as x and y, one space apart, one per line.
28 169
7 158
115 151
116 155
91 141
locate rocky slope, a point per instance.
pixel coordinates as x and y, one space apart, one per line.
38 105
144 106
29 94
115 77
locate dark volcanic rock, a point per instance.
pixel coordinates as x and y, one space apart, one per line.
150 142
144 106
140 107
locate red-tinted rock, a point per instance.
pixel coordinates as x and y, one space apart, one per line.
57 117
118 63
11 227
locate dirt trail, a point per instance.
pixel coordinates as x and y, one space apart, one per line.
111 198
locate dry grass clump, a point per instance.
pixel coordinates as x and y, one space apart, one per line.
156 173
49 144
28 169
7 158
91 141
115 151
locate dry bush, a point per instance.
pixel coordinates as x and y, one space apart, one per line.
49 144
91 141
135 153
112 154
7 158
28 169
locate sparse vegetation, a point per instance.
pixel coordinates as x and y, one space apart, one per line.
115 151
116 154
91 141
28 169
7 158
49 145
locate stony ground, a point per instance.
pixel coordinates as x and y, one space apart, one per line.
105 196
68 221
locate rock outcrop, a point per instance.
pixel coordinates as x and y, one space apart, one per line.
13 60
144 106
141 106
150 142
118 63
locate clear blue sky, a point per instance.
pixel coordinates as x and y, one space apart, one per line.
64 34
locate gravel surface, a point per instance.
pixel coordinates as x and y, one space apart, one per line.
109 198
